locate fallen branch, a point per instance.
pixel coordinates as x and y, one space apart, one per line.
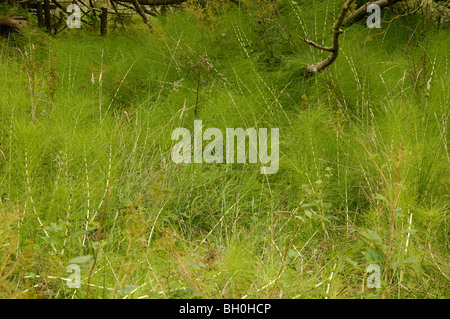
14 23
361 12
342 21
141 12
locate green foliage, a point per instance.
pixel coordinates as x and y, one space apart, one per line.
363 148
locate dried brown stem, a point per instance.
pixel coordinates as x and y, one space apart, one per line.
98 237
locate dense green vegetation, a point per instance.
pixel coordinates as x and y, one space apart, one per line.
86 174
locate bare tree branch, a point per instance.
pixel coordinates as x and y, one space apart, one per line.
361 12
316 45
342 21
334 49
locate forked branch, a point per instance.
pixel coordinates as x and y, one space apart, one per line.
342 21
334 49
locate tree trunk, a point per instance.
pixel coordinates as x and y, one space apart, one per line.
40 14
48 23
104 22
